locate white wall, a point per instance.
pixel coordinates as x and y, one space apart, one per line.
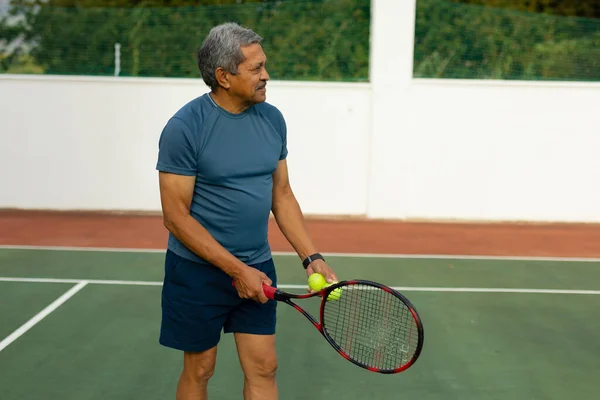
395 148
91 143
490 152
477 150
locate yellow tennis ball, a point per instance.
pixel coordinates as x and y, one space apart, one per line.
335 294
316 281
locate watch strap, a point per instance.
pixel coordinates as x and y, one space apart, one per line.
311 258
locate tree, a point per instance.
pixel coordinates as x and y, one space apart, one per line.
317 40
467 41
572 8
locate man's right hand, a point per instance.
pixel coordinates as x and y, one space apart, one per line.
248 283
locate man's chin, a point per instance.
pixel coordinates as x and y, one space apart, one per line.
260 95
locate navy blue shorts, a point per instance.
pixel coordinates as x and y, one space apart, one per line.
199 302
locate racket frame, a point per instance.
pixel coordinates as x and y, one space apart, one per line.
285 297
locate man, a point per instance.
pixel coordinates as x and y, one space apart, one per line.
222 170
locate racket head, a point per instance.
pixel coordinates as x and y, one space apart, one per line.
372 325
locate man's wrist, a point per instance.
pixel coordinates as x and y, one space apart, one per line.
316 256
233 268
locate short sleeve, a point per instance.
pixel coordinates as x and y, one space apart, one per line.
284 150
177 149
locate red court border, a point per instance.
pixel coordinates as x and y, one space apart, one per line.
94 229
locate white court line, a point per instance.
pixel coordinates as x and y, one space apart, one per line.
302 287
91 281
42 314
286 253
75 248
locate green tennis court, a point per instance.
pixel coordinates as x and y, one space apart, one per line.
83 324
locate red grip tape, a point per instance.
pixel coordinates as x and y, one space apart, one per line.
269 290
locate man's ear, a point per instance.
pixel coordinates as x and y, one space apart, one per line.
222 77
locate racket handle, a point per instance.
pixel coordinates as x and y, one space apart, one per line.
269 290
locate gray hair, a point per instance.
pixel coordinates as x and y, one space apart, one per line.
222 48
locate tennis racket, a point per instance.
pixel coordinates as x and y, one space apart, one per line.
369 324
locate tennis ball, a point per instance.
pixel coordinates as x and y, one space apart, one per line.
335 294
316 281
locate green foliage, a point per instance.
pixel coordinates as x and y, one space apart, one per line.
304 40
13 33
475 42
572 8
20 64
568 59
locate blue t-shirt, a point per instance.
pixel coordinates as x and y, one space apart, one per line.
233 157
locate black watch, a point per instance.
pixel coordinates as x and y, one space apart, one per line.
311 258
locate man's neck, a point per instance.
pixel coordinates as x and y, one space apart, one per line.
228 103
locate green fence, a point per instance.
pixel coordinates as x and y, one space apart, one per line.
476 42
326 40
304 39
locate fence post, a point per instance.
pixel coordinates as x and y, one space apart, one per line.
117 59
391 66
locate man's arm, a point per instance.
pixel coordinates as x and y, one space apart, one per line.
176 193
290 219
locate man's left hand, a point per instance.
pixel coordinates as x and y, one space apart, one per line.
322 268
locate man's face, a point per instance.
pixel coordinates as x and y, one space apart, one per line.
250 81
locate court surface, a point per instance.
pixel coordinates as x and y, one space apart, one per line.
83 324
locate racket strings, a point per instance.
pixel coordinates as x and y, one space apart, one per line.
372 326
